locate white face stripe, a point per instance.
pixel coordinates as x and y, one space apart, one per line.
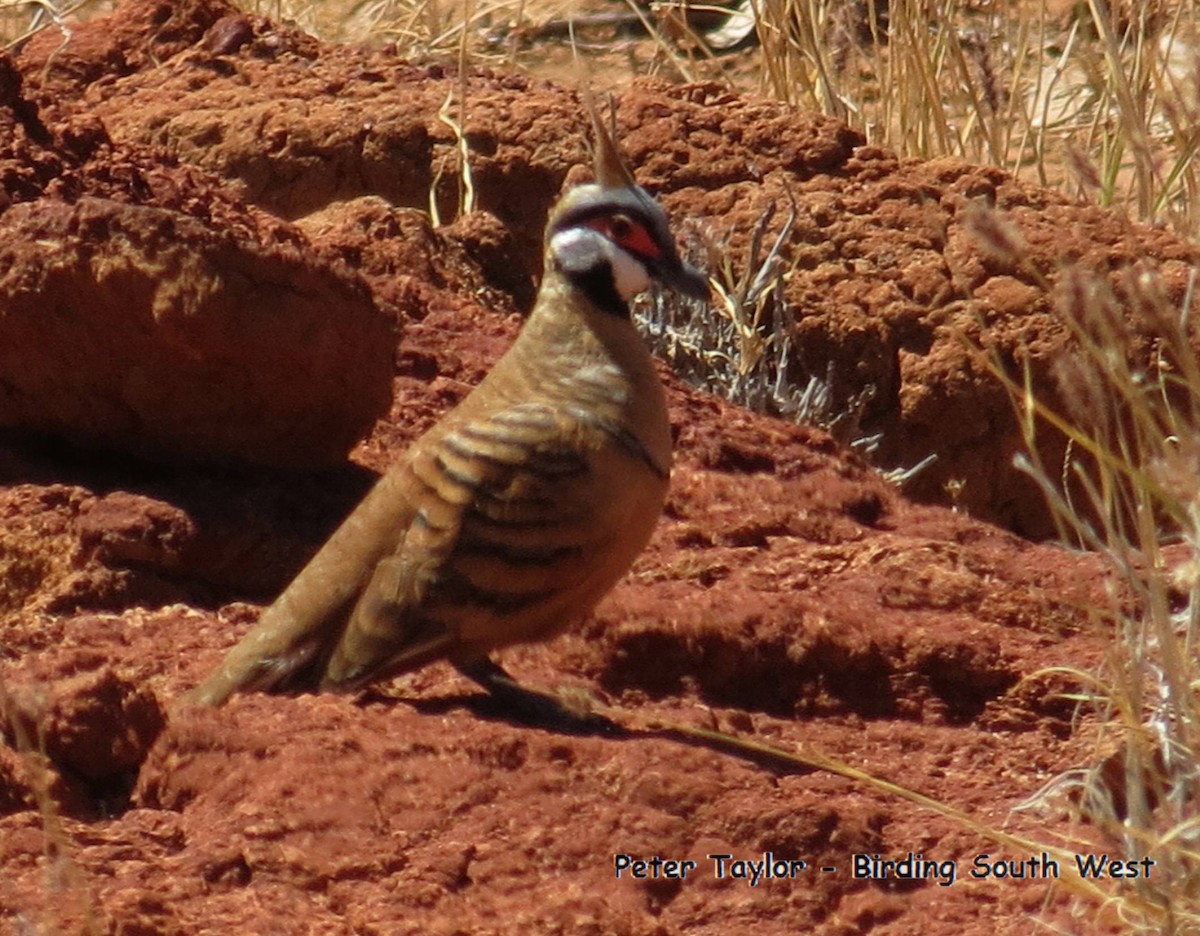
629 275
578 248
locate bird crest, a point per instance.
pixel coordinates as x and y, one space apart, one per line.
610 168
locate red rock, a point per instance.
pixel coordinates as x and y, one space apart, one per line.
790 595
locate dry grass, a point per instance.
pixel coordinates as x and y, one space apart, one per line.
1101 99
1103 103
1129 491
20 19
738 346
64 879
1105 106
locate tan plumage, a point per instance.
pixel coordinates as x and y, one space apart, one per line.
517 512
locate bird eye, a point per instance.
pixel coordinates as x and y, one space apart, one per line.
620 227
627 233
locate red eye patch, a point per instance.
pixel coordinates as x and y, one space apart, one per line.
628 235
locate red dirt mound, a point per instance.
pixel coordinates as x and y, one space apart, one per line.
890 285
789 594
147 309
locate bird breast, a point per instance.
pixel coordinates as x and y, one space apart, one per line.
541 489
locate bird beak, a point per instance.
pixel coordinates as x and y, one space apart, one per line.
685 279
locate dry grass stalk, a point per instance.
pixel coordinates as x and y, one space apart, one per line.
1114 90
1129 490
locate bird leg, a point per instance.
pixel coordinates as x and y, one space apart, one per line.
531 706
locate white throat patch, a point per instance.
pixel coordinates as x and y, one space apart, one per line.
581 248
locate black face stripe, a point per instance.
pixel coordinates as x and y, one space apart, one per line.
649 242
629 235
598 285
647 214
613 201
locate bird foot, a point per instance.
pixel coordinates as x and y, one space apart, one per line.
571 710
